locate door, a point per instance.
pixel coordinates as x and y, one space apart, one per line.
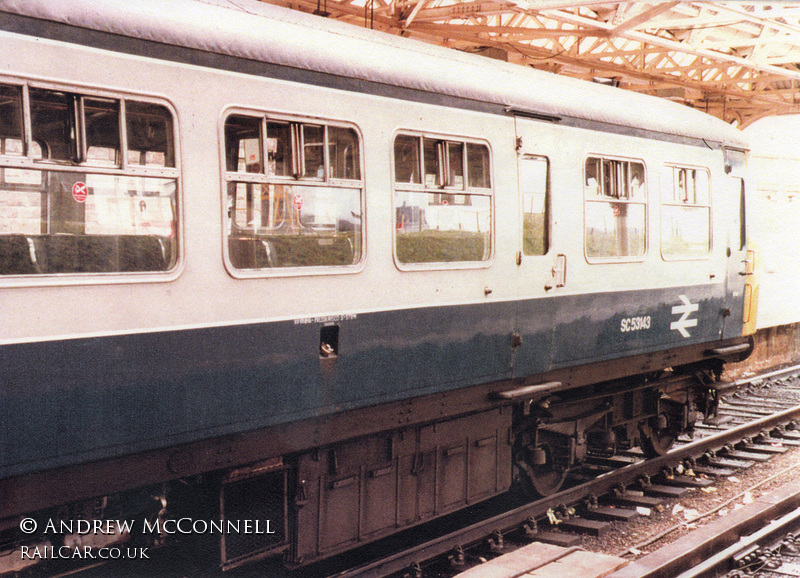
738 289
541 272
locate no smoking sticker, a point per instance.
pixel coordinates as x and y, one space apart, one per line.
80 191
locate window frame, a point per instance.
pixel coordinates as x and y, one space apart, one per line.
264 178
667 198
602 198
28 161
443 141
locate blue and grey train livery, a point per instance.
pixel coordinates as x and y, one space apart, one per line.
339 280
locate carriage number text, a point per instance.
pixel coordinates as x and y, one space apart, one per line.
634 324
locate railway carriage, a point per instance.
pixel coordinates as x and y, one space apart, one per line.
268 266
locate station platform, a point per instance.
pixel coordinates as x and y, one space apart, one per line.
539 560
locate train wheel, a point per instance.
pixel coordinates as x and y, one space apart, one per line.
546 482
657 436
543 466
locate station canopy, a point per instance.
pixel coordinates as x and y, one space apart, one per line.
739 61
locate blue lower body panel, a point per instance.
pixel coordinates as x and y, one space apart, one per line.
71 401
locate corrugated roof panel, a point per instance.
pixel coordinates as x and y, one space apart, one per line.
249 29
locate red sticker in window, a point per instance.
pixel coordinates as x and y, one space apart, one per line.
80 191
298 202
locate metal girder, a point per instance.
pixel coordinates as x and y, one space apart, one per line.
737 60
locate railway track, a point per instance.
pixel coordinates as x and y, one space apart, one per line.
758 539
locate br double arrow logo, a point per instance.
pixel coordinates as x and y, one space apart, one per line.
684 311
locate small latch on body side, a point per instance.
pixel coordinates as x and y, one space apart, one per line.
329 341
560 270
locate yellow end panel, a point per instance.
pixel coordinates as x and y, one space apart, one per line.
750 295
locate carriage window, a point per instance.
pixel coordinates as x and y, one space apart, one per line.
444 217
478 166
102 131
53 119
279 149
533 187
150 134
455 161
343 152
615 211
305 210
246 131
431 162
313 151
685 213
406 159
80 217
10 120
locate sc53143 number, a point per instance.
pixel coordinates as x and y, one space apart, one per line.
634 323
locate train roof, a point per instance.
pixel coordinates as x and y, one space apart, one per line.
247 29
